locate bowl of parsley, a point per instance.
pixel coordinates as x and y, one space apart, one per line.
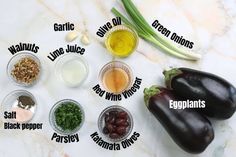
66 117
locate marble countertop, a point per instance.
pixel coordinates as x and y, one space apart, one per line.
211 24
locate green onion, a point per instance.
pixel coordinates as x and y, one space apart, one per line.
149 37
146 32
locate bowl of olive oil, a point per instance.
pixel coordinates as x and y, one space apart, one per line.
121 41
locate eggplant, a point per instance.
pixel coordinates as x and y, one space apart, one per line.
218 94
188 129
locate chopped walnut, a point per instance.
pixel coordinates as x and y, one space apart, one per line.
26 70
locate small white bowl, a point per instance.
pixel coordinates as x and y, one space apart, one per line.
67 59
52 119
101 122
10 101
116 64
15 59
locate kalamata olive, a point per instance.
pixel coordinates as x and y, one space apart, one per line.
125 124
105 130
121 130
125 118
114 113
122 115
106 117
116 123
114 135
111 119
110 128
114 128
120 122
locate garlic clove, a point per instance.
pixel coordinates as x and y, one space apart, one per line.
71 36
85 39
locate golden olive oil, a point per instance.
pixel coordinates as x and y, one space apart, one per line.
121 42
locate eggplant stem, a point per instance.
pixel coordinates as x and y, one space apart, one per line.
169 75
149 92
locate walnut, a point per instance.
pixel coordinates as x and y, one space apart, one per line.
26 70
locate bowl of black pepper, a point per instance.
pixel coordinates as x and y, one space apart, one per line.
23 103
115 123
24 69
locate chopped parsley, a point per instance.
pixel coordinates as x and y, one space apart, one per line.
68 116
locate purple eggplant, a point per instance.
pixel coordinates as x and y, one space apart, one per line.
218 94
189 129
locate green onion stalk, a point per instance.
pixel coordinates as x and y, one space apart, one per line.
146 32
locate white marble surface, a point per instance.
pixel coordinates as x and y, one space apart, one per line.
211 24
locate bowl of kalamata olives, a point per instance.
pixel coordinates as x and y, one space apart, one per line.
115 123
